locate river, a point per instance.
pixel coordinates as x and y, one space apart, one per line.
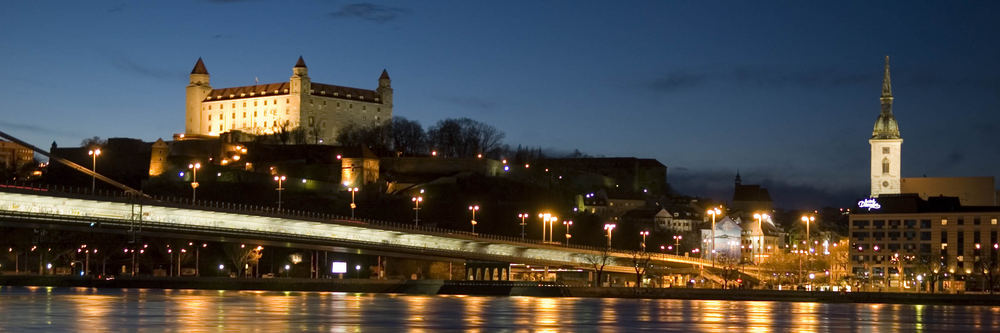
100 310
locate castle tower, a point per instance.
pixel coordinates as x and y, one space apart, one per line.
197 90
885 145
158 158
300 87
385 89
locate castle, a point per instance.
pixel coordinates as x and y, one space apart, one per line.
322 110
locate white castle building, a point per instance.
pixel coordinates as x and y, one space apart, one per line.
321 109
886 144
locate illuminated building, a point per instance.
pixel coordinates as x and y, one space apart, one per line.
322 110
922 237
885 145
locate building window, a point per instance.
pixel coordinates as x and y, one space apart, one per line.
255 113
885 150
244 104
311 120
209 117
254 103
234 105
885 165
244 114
944 221
976 221
222 106
993 221
210 106
961 221
234 115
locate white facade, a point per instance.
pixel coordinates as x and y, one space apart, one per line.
321 109
885 168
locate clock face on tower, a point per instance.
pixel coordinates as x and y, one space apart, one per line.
885 184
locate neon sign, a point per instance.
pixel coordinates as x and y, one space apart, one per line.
869 203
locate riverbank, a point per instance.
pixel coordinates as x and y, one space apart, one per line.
495 288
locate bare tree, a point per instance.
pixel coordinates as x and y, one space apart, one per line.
598 261
640 262
92 142
314 133
243 257
408 137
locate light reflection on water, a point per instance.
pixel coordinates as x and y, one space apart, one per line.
92 310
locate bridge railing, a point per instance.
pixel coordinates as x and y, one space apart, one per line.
258 210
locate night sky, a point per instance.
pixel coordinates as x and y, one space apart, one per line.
786 92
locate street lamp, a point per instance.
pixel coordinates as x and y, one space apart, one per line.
713 212
474 209
609 227
522 216
807 219
279 179
644 233
194 181
568 235
93 178
353 190
416 209
547 219
677 244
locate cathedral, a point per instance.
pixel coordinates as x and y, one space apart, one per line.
885 145
322 110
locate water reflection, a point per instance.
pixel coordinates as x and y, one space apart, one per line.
101 310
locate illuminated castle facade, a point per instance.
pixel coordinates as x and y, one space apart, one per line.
322 110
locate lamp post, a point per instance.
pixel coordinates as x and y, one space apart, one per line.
353 190
568 235
194 181
93 178
609 227
677 244
547 219
416 209
713 212
279 179
806 219
474 209
522 216
644 233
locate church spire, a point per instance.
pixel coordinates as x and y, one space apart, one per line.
886 126
301 63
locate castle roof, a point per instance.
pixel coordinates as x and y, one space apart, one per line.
199 68
301 63
335 91
385 74
268 89
276 89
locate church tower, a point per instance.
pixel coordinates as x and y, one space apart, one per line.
885 144
197 90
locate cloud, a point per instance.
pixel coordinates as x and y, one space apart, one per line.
676 81
470 102
35 129
129 66
370 12
117 8
718 185
756 76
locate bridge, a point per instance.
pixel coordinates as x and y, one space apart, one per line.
42 207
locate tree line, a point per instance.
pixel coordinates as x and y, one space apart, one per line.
453 137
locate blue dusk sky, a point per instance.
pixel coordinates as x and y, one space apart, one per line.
786 92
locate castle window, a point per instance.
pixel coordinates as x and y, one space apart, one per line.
234 115
210 106
311 120
378 109
286 101
350 106
209 117
244 115
255 113
885 165
244 104
220 127
265 103
234 105
222 106
885 150
363 107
